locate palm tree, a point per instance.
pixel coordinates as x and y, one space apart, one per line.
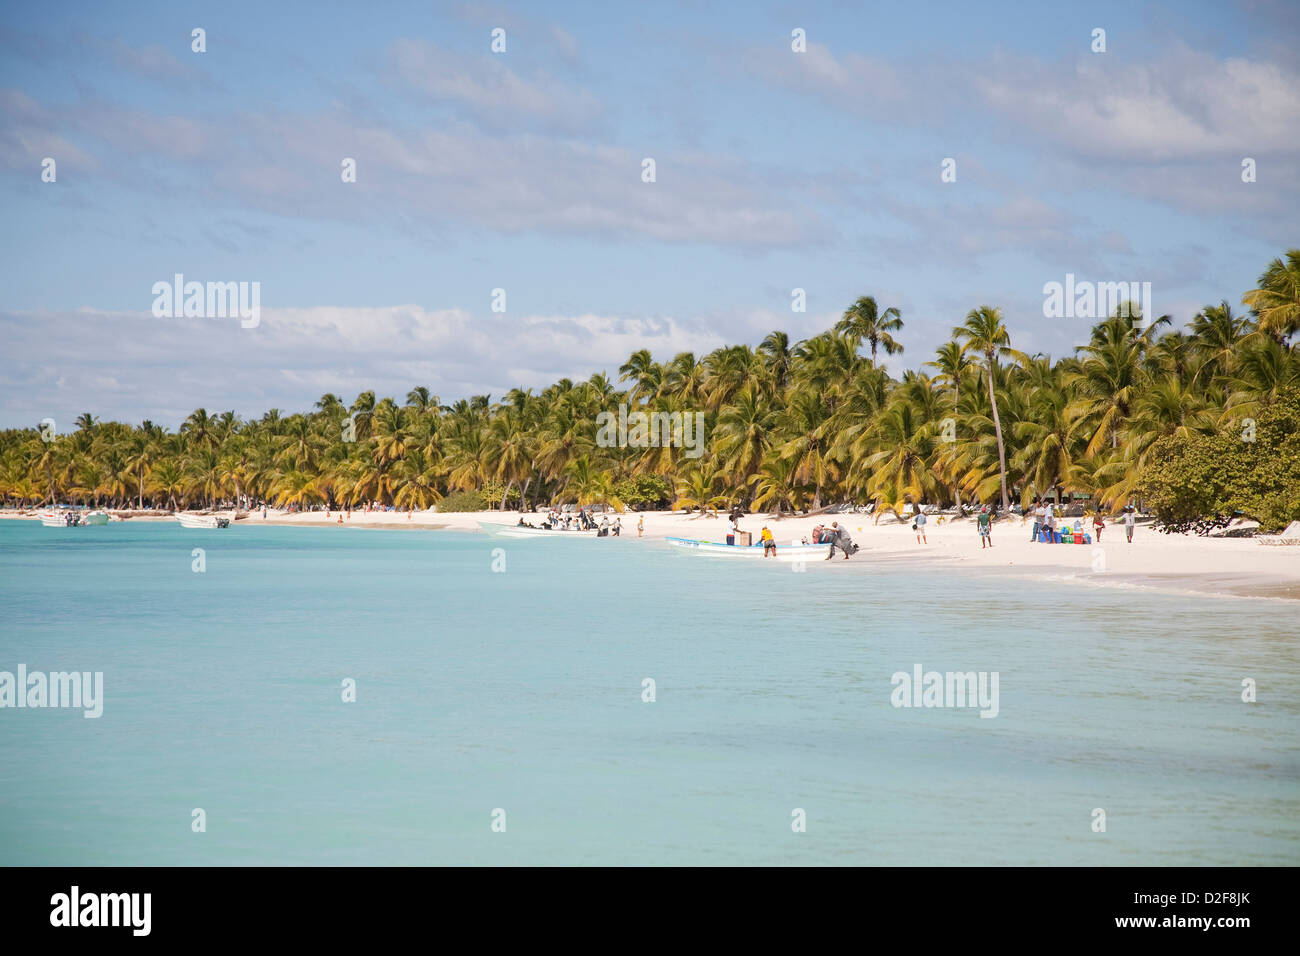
778 355
1216 333
1276 300
953 362
986 335
863 322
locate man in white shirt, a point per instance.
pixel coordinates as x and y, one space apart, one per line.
1130 519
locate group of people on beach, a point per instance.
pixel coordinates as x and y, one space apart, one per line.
581 521
1045 521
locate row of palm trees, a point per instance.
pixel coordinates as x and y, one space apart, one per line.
789 425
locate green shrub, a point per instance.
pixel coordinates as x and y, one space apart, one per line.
1188 480
642 490
462 501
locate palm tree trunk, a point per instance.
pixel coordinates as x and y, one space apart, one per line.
1002 450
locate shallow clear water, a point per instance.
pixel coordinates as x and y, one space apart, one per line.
522 690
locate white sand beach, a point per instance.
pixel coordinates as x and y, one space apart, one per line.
1180 562
1238 566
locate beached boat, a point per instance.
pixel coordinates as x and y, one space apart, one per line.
1289 537
784 552
202 521
517 531
60 519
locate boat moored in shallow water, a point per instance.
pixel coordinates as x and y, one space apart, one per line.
96 517
784 552
202 521
524 531
60 519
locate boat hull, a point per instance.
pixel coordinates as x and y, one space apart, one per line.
203 521
514 531
784 552
66 519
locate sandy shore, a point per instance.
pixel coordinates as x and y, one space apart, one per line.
1174 562
1215 565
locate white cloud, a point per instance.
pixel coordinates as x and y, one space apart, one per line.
132 366
492 93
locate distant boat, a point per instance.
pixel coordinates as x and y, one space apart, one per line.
202 521
784 552
60 519
523 531
96 517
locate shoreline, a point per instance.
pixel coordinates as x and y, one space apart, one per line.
1170 563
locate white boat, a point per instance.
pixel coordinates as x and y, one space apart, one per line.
523 531
202 521
60 519
784 552
96 517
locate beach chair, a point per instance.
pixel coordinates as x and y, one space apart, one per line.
1289 536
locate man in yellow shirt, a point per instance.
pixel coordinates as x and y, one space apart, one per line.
769 543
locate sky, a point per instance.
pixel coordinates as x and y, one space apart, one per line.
522 170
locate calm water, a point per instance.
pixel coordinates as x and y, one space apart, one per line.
522 691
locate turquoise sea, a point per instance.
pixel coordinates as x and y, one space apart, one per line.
521 690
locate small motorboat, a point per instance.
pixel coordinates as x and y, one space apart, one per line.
96 517
784 552
202 521
523 531
60 519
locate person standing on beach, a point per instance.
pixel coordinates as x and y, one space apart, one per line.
918 525
640 526
1098 522
985 524
1130 519
1038 517
839 537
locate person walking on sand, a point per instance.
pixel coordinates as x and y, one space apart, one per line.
918 525
1098 522
985 522
769 543
1130 519
640 526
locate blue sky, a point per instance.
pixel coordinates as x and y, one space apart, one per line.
775 170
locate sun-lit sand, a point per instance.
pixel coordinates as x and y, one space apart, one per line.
1166 561
1238 566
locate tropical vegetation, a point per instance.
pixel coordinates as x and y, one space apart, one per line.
789 425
